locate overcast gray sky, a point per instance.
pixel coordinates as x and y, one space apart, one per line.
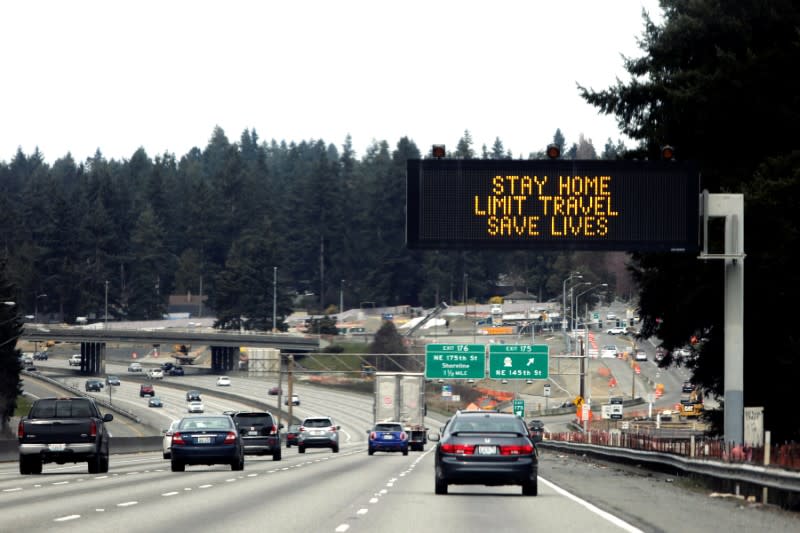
117 75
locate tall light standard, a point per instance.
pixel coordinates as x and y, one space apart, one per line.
581 294
341 298
572 311
584 363
105 326
564 296
36 307
274 297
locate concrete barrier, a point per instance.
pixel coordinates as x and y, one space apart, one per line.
9 449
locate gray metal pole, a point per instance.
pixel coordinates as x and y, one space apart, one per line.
274 297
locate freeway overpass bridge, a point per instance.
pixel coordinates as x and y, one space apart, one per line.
224 345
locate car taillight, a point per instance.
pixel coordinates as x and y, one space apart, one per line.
513 449
92 428
373 435
458 449
301 429
21 430
230 438
177 438
332 429
403 435
274 428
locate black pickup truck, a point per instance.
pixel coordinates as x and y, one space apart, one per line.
63 430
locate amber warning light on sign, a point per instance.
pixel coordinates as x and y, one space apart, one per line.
552 204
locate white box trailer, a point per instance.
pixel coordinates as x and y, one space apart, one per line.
400 397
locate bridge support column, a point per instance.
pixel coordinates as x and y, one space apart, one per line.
223 358
93 358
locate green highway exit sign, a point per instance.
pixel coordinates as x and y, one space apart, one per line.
518 361
455 361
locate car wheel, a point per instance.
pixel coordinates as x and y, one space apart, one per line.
441 486
531 488
177 466
370 451
335 449
277 455
167 455
29 465
405 451
95 464
288 445
238 464
103 464
301 449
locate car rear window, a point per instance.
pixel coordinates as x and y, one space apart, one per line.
317 422
54 408
388 427
489 424
253 420
222 422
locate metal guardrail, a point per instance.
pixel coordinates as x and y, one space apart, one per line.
77 392
786 480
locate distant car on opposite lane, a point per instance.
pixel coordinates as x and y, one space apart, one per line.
113 380
275 391
176 371
135 367
640 355
295 400
387 437
615 331
94 385
609 350
155 401
223 381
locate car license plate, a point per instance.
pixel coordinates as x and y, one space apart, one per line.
487 450
252 432
56 447
203 440
317 432
388 437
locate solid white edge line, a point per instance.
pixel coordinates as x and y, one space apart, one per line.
65 518
606 515
342 528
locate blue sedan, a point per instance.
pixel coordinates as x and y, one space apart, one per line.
206 440
387 437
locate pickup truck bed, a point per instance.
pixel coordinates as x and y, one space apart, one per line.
63 430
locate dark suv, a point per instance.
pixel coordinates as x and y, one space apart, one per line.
259 431
318 432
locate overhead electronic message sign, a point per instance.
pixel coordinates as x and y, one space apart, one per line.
552 204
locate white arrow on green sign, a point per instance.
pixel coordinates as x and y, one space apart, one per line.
518 361
455 361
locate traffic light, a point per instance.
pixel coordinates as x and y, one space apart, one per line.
667 153
553 151
438 151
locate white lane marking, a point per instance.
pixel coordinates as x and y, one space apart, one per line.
230 480
130 473
101 477
173 493
15 489
65 518
60 482
126 504
252 475
373 500
100 510
205 486
390 484
596 510
393 480
383 491
362 512
188 488
342 528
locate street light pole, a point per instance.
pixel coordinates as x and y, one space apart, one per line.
564 297
274 297
584 385
341 298
105 326
36 307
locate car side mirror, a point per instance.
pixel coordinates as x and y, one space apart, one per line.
368 432
108 417
281 426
